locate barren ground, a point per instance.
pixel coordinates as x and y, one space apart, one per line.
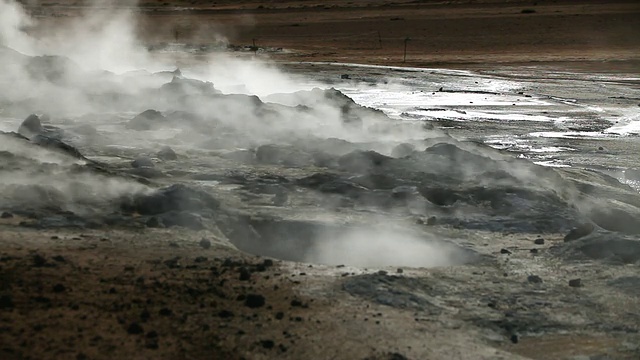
164 294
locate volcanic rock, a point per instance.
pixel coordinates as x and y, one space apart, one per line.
31 126
167 153
147 120
359 161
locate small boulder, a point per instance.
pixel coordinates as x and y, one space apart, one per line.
31 127
146 120
167 153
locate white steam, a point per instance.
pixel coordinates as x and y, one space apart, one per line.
378 247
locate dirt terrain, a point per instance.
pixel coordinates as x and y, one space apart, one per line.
156 215
443 33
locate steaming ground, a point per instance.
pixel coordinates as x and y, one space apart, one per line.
231 211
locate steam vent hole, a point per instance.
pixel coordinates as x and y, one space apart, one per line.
330 244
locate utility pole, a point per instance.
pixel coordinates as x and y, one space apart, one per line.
404 58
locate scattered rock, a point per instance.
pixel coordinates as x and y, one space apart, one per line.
538 241
534 279
225 314
167 153
142 162
575 283
205 243
165 312
267 344
6 302
135 329
254 301
245 274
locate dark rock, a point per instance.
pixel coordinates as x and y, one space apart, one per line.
147 120
505 251
279 315
58 288
345 77
534 279
39 261
167 153
359 161
6 302
6 215
403 150
579 232
267 263
173 198
165 312
538 241
142 162
575 283
254 301
514 338
152 334
267 344
135 329
205 243
245 274
145 315
296 303
31 126
225 314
